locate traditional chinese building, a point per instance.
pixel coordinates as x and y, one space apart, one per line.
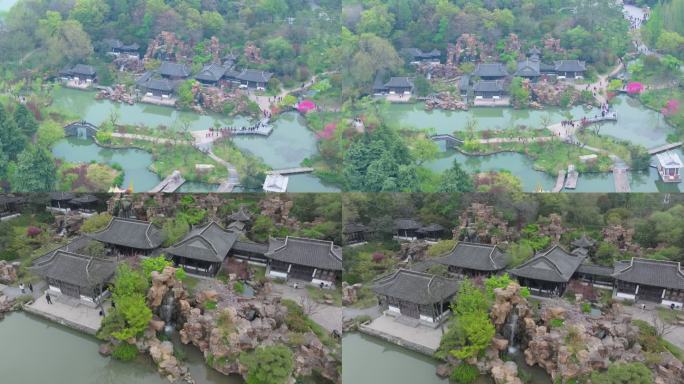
473 259
203 250
316 261
548 272
656 281
130 237
416 295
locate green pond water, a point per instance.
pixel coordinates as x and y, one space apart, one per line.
289 144
636 124
34 350
370 360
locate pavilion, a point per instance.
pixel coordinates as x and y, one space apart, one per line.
656 281
431 232
491 72
75 275
203 250
406 229
129 236
318 262
548 272
354 233
669 167
474 259
416 295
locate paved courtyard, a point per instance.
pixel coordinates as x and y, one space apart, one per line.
328 316
69 313
420 335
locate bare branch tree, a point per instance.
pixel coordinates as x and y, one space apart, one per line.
309 306
662 327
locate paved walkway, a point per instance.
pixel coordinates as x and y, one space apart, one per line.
675 337
421 335
352 313
68 312
12 292
157 140
327 316
233 175
499 140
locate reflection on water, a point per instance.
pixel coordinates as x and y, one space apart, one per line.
289 144
134 162
34 350
636 123
522 167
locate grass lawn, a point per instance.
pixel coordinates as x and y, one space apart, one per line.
322 295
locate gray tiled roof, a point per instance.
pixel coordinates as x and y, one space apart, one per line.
666 274
354 227
528 68
415 287
254 75
208 243
489 86
83 271
584 242
211 72
242 214
74 246
399 82
480 257
406 224
308 252
570 66
491 70
61 196
130 233
248 246
83 199
82 69
598 270
555 265
419 54
150 81
431 228
168 68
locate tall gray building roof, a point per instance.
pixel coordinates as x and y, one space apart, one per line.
657 273
555 265
83 271
208 243
130 233
491 70
415 287
479 257
308 252
171 69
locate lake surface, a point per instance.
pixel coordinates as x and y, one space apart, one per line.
522 167
368 359
289 144
636 123
135 162
33 350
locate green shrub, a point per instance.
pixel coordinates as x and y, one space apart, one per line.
125 352
239 287
586 307
464 374
632 373
556 323
209 305
525 292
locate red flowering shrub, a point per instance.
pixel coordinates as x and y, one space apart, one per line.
378 257
33 231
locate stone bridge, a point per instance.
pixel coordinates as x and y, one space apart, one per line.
81 129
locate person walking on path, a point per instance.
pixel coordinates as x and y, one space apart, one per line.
30 287
23 289
48 298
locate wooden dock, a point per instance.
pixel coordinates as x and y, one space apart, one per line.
571 180
621 178
170 184
664 148
560 181
264 128
290 171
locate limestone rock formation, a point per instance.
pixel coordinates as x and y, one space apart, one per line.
8 272
350 293
6 305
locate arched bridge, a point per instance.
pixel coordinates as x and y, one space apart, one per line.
81 129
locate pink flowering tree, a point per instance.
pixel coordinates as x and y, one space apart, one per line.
33 231
328 131
635 88
671 108
306 106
